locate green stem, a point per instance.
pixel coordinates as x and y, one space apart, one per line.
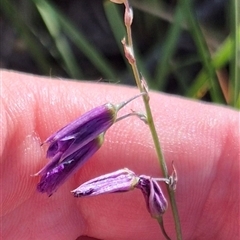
154 135
235 64
160 222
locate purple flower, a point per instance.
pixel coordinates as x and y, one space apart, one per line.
124 180
72 145
54 174
84 129
119 181
155 200
81 131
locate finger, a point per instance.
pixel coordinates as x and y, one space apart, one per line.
196 136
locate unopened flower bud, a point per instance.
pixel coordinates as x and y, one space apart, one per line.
118 181
128 51
128 16
155 200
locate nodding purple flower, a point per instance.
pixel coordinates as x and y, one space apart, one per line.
54 175
84 129
119 181
125 180
81 131
72 145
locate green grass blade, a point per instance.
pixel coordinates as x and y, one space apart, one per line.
169 47
97 59
53 25
115 20
219 59
154 8
215 90
33 44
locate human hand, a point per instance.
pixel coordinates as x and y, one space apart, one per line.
201 139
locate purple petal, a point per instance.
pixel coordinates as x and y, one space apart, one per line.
155 200
53 177
118 181
50 165
81 131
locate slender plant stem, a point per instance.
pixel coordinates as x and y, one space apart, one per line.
154 133
235 66
160 222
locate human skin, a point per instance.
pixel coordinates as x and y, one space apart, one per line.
202 140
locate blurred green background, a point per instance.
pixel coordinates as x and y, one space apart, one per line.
185 47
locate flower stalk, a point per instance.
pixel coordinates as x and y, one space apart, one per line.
129 54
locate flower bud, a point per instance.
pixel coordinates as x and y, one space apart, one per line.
118 181
155 200
128 51
128 16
